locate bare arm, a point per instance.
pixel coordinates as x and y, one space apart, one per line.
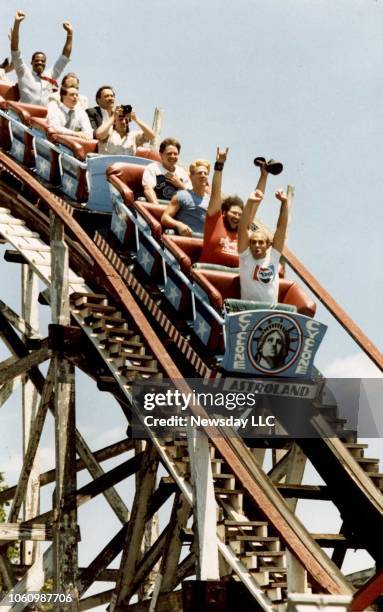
103 130
150 194
148 133
19 17
215 201
283 219
251 207
67 50
169 221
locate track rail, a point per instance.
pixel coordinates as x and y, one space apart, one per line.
97 270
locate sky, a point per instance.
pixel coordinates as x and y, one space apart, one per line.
296 80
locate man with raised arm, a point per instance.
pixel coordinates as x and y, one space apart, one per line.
36 84
259 255
220 236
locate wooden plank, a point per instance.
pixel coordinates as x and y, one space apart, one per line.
30 453
8 388
101 561
135 533
101 455
17 531
107 480
33 415
94 468
166 577
65 553
204 506
33 580
8 372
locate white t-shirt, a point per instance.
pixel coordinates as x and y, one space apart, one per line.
259 277
154 176
117 145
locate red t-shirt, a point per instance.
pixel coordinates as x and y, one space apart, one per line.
219 244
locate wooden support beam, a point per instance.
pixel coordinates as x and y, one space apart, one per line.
31 450
8 372
32 580
18 322
136 528
65 554
204 506
10 532
173 545
101 562
101 455
166 577
96 471
95 600
107 480
8 388
186 568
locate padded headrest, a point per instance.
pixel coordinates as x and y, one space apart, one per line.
148 154
26 111
127 178
152 213
79 147
186 249
9 91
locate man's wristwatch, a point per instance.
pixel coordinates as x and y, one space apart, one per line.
218 166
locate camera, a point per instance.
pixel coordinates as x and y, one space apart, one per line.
126 109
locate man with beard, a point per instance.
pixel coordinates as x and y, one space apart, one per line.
35 85
220 235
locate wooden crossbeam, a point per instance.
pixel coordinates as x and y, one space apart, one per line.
146 483
95 470
8 372
34 440
18 531
103 454
18 322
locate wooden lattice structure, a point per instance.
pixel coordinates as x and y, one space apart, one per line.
235 519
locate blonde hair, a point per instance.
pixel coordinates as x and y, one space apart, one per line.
267 235
199 162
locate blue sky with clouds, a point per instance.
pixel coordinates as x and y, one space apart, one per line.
297 80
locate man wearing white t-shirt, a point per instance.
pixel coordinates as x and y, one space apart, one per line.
162 180
258 255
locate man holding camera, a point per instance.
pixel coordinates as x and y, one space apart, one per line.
115 136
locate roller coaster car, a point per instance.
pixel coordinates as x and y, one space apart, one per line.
20 133
141 220
208 296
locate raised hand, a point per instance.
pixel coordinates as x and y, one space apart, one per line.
256 196
221 155
20 16
281 195
68 27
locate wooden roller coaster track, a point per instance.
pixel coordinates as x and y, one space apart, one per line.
245 535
